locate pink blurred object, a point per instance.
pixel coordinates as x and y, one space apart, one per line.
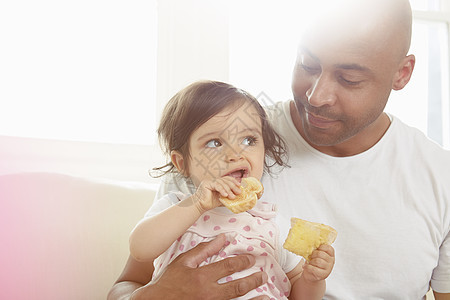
64 237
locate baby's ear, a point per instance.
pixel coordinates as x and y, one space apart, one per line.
178 161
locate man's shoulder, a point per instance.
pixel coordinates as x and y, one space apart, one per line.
277 107
405 132
420 150
278 112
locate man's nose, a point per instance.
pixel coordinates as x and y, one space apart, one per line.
322 91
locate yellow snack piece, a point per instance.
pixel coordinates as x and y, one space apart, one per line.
251 189
304 237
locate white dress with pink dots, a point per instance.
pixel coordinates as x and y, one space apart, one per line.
252 232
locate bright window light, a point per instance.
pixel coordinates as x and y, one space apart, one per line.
78 70
425 4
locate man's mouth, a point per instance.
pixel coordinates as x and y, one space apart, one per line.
319 122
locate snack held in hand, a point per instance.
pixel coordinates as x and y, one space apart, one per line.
251 189
304 237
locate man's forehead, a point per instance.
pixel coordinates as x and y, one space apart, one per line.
338 49
356 62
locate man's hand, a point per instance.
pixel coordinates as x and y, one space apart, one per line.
183 279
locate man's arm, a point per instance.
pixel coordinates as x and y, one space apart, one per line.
441 296
134 276
183 279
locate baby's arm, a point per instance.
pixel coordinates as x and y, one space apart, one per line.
308 280
154 235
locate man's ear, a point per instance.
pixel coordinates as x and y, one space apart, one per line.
178 161
403 75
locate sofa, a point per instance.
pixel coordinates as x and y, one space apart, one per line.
65 237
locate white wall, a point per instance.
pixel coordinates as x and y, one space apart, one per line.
192 44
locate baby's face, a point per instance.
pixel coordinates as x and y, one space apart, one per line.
228 144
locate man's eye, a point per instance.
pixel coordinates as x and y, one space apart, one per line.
309 69
249 141
213 144
308 64
350 82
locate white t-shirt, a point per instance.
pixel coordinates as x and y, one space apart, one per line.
390 206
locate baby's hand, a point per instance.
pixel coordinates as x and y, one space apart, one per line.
320 265
207 195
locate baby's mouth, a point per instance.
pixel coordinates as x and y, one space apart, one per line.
238 174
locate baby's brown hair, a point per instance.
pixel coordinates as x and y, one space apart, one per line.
197 103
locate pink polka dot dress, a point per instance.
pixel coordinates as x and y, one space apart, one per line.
253 232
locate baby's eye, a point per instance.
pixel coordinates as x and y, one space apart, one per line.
249 141
213 144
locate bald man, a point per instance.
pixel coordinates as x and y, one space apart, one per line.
383 185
